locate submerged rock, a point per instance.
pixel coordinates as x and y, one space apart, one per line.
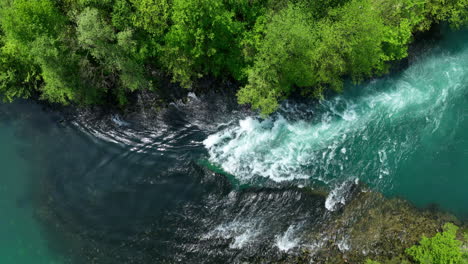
371 226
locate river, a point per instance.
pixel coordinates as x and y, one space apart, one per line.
203 183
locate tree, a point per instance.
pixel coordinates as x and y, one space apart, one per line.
203 40
18 79
112 56
301 53
33 32
282 60
152 15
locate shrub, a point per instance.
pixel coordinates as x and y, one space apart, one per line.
443 248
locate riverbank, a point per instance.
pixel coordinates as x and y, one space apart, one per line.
372 227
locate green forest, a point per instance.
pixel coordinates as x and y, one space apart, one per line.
83 52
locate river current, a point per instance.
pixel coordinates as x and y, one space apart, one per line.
204 182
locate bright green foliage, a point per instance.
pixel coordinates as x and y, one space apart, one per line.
113 52
57 70
203 40
24 21
354 34
281 61
305 51
298 52
83 51
152 15
17 79
149 21
455 11
458 15
33 31
371 262
443 248
465 247
94 34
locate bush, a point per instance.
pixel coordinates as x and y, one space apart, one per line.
443 248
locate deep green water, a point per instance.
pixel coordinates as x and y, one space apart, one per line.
21 235
134 191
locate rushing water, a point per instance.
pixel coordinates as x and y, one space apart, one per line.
201 183
404 135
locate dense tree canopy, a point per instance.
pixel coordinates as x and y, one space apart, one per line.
82 51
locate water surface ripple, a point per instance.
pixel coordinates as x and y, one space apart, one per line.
204 182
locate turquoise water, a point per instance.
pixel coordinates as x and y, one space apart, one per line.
125 190
22 240
405 135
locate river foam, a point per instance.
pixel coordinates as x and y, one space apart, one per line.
365 133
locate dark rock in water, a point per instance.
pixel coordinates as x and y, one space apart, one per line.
371 226
340 196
